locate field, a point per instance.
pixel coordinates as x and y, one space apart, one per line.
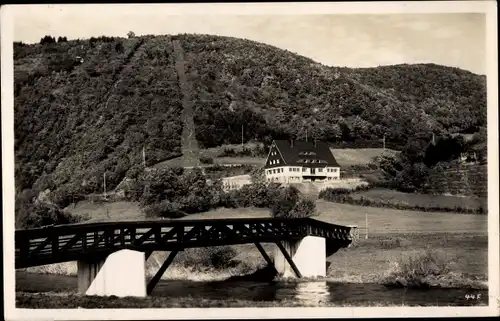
381 221
421 200
358 156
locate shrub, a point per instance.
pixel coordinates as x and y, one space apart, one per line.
221 257
164 209
334 194
364 201
420 270
206 160
256 195
256 151
303 208
39 214
67 194
216 256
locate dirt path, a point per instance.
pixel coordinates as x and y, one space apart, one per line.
190 149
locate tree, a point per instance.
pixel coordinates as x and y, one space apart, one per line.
47 40
130 34
414 151
257 176
286 201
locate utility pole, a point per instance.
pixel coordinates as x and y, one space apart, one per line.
384 141
105 184
144 156
242 136
306 134
366 223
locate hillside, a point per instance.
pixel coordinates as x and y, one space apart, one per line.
88 107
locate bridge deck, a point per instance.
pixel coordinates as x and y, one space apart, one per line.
80 241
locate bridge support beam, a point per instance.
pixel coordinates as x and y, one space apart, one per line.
303 258
265 256
161 271
122 273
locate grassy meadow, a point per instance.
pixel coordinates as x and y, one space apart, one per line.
420 200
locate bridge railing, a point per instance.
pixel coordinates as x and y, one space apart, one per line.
69 242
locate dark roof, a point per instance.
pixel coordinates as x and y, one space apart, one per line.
302 153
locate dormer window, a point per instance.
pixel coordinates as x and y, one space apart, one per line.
307 153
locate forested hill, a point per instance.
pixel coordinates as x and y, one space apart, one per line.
88 106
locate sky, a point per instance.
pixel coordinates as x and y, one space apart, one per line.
351 40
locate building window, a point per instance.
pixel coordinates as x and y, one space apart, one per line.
334 170
278 161
320 170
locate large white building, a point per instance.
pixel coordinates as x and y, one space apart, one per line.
292 161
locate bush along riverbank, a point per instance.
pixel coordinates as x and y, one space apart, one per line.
353 197
429 269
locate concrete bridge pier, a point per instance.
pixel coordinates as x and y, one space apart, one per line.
302 258
122 273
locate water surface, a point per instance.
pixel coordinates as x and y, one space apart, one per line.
306 292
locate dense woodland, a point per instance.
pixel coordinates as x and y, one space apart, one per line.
86 108
275 93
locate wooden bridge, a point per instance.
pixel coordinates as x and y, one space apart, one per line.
96 241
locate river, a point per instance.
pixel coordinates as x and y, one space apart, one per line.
303 292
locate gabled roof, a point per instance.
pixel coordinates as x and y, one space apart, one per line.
302 153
